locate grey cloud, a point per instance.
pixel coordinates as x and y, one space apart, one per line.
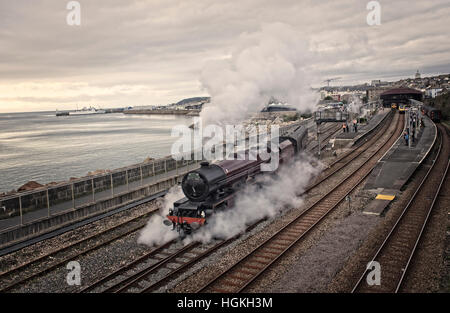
165 44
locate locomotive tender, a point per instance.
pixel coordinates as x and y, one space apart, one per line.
212 187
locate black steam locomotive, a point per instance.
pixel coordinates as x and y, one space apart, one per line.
212 187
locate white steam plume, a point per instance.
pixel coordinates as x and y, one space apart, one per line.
155 232
355 105
273 62
277 193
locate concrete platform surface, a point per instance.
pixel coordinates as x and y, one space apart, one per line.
396 167
364 128
346 140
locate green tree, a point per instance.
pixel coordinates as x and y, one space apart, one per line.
289 118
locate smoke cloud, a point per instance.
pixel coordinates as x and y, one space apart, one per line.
273 62
355 105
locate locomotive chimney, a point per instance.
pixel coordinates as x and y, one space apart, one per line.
204 164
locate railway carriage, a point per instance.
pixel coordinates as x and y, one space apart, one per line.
433 113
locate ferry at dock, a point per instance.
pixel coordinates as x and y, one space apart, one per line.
83 111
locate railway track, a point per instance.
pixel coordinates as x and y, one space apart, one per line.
397 251
157 267
344 160
243 273
147 273
328 132
59 257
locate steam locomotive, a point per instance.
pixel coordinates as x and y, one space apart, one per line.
212 187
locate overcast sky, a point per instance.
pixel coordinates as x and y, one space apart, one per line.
153 52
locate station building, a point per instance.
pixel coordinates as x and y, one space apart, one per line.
400 96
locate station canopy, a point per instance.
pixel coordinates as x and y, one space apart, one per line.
400 96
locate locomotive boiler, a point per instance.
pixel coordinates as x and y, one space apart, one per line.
213 186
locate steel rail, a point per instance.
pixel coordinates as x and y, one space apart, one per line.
72 256
135 278
124 268
401 218
353 155
422 230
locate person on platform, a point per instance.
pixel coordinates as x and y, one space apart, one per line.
355 126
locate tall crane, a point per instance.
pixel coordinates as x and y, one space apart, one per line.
331 79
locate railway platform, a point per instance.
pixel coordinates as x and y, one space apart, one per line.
397 166
351 138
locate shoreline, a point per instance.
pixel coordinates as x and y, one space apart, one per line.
164 112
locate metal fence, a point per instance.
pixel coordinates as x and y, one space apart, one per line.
26 207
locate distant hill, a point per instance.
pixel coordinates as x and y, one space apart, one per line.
192 100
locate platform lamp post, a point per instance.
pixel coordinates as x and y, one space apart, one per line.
416 122
416 118
317 118
409 127
318 138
